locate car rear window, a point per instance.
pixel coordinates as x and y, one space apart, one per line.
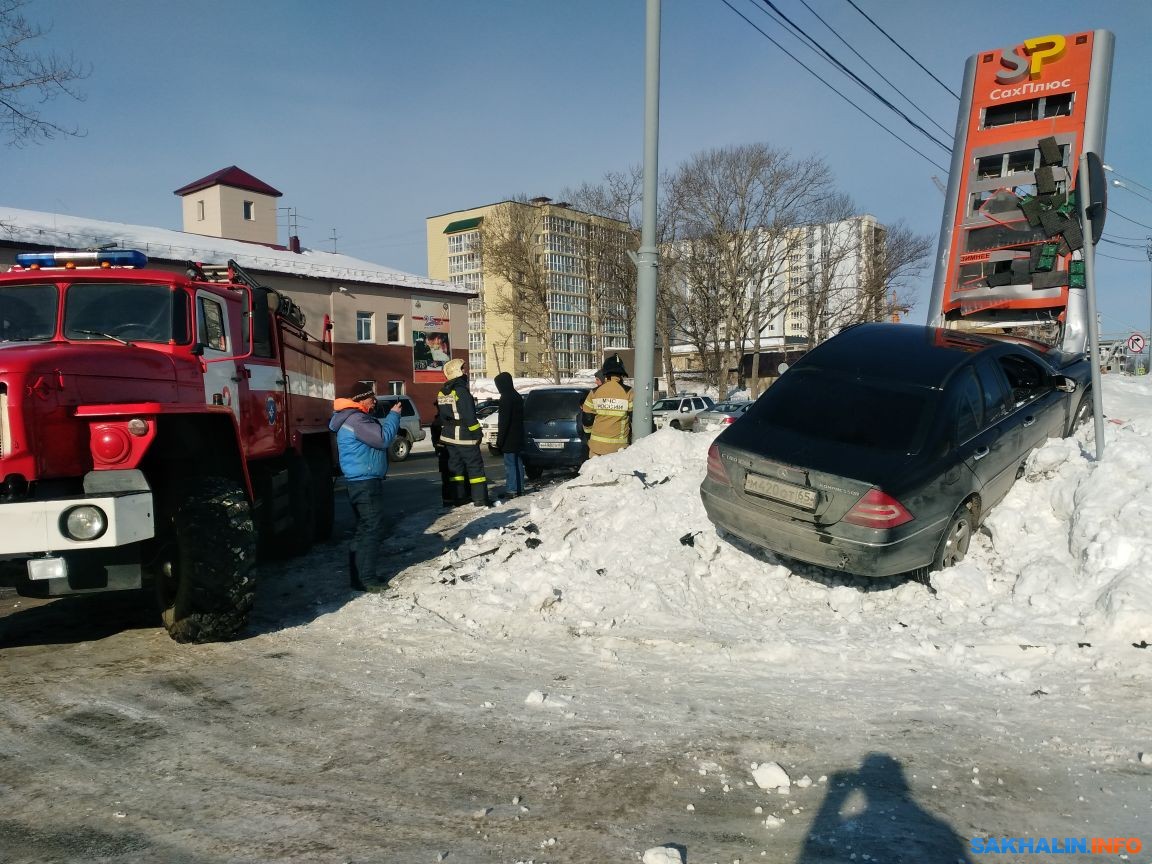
552 404
824 406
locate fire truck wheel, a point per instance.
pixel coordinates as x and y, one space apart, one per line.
320 466
400 448
206 587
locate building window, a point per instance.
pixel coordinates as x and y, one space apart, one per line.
365 332
522 337
249 211
200 210
523 356
396 388
393 334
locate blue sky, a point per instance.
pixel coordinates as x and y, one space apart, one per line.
372 116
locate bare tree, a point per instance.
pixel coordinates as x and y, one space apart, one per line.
897 259
736 210
510 250
620 196
29 78
823 279
855 270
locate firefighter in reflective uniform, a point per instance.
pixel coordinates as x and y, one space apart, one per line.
607 412
461 436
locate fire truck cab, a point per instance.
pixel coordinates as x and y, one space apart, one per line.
156 429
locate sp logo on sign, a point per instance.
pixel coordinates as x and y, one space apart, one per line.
1038 52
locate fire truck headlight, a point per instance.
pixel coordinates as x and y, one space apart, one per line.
86 522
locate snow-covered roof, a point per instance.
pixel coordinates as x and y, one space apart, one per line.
73 232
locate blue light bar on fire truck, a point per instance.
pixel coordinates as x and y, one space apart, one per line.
71 260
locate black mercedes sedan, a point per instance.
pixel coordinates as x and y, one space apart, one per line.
881 450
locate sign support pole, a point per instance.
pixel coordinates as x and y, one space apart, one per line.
1084 201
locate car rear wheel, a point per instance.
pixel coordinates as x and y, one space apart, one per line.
534 472
400 448
957 537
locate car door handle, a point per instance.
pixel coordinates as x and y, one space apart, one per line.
980 452
1028 421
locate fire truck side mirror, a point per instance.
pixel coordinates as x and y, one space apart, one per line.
197 349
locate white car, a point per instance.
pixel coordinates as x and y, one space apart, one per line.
680 412
722 415
490 427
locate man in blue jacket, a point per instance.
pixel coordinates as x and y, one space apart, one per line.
362 442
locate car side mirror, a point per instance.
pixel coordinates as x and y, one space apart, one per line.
1064 384
684 409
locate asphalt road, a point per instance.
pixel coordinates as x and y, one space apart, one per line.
414 484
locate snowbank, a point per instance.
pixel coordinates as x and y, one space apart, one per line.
624 555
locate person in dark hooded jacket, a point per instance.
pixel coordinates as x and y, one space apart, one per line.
362 443
510 434
461 435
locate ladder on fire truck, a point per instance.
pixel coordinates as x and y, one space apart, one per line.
233 274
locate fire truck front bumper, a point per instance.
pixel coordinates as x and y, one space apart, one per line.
62 525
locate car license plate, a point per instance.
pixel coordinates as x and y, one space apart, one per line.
550 445
757 484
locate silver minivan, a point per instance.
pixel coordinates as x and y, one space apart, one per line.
410 429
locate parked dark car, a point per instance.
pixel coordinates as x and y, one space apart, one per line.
553 433
881 450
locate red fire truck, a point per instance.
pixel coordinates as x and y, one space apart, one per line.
156 428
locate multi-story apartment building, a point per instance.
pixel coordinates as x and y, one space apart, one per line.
814 281
829 279
575 255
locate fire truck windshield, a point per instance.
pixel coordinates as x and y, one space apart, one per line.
125 312
27 312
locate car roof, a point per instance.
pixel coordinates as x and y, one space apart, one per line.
909 353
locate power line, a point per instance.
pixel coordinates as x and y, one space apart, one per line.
832 88
800 33
901 47
1129 179
1114 258
883 78
1112 212
1125 245
1141 240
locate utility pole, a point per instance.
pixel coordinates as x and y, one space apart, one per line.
1148 341
333 238
648 257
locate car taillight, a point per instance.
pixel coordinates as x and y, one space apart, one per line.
727 421
878 509
716 471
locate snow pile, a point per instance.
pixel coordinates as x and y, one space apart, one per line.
624 555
